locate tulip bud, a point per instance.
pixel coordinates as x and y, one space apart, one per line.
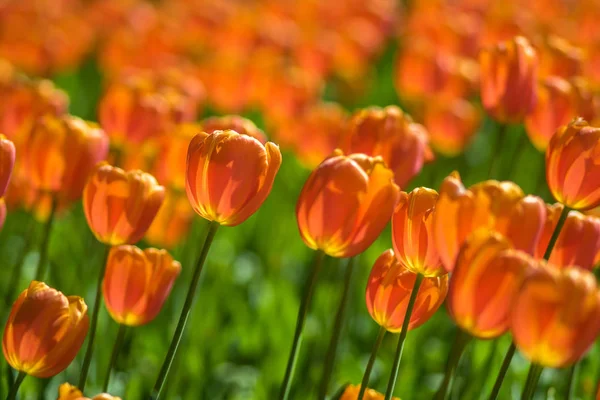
573 165
484 284
7 162
388 292
67 391
137 283
578 242
388 132
229 175
345 204
120 206
44 352
412 232
556 316
508 80
351 392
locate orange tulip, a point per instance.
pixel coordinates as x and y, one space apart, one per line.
351 392
44 352
229 175
345 204
172 222
67 391
391 134
499 206
556 316
578 242
561 58
61 152
508 80
169 166
7 162
236 123
137 283
573 165
388 292
484 283
555 107
412 232
120 206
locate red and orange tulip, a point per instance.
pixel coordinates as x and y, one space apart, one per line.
7 162
556 316
484 283
351 392
67 391
578 242
120 206
229 175
390 133
345 204
508 80
412 232
388 292
573 165
137 283
44 352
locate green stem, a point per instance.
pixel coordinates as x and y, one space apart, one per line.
532 379
570 392
561 221
521 146
185 312
42 265
93 323
115 354
337 329
14 388
365 380
291 365
17 271
503 369
460 342
400 347
497 152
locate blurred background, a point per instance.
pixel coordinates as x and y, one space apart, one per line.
298 69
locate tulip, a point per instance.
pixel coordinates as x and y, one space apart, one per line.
556 317
169 167
573 165
236 123
412 232
44 352
137 283
351 393
508 80
67 391
553 214
345 204
484 283
172 222
499 206
7 162
578 242
229 175
402 144
561 58
388 290
120 206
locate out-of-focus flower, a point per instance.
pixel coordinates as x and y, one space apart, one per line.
345 204
390 133
484 283
120 206
556 107
561 58
573 165
578 242
556 316
67 391
172 222
169 165
351 392
61 152
451 124
508 80
241 125
7 162
229 175
388 292
137 283
412 232
44 331
499 206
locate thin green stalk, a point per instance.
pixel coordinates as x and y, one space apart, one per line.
365 380
521 145
17 270
503 369
291 365
532 379
337 329
115 354
460 342
400 347
570 392
42 265
93 323
561 221
185 312
14 388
